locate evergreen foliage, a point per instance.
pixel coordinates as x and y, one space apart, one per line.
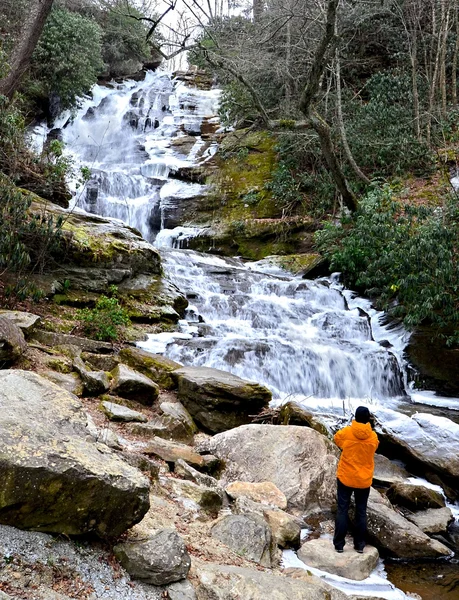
106 320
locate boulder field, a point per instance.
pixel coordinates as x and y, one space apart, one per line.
162 463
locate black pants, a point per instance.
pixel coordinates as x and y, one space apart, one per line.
342 516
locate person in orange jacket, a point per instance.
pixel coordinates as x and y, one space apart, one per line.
358 443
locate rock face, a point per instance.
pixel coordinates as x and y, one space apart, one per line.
298 460
130 384
414 497
321 554
248 535
12 341
396 535
218 400
159 560
220 582
55 477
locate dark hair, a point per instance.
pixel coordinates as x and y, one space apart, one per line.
362 415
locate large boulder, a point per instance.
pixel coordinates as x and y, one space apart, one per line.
390 531
130 384
24 320
414 497
321 554
12 341
430 442
298 460
222 582
218 400
158 560
264 492
432 520
388 472
55 477
155 366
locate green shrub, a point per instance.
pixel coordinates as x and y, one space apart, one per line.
404 256
106 320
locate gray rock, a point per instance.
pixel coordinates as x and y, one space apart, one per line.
94 382
130 384
402 539
182 590
298 460
321 554
221 582
69 381
100 362
55 478
248 535
155 366
47 338
414 497
12 341
218 400
209 499
24 320
387 472
159 560
117 412
144 464
432 520
186 471
179 421
172 451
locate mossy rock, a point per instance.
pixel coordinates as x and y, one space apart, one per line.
155 366
298 264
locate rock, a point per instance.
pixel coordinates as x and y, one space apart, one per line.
94 382
397 536
24 320
285 530
12 341
218 400
172 451
248 535
293 414
117 412
48 338
222 582
182 590
55 477
264 492
298 460
414 497
144 464
158 560
321 554
428 441
207 498
388 472
187 472
69 381
155 366
109 438
100 362
432 520
179 420
133 385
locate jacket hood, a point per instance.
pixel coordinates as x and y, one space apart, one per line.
362 431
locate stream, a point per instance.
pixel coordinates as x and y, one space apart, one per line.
309 341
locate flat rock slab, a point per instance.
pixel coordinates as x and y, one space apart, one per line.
218 400
172 451
24 320
118 412
322 555
222 582
132 385
155 366
264 492
47 338
55 477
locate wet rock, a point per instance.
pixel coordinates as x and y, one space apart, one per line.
432 520
172 451
12 341
396 535
221 582
321 554
130 384
218 400
159 560
264 492
55 477
117 412
248 535
158 368
414 497
254 453
26 321
387 472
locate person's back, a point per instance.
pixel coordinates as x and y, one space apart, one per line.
358 443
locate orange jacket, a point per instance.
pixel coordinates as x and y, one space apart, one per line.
358 443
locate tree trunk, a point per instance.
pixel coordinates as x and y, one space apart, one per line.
414 81
454 65
22 52
444 39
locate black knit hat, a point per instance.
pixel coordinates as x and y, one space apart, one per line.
362 415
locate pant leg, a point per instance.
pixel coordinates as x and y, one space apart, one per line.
361 501
342 515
